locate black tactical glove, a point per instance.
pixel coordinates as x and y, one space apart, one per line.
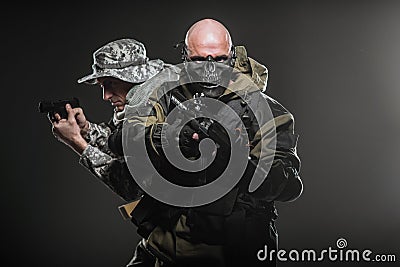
187 144
218 133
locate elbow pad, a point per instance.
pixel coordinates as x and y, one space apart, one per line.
293 187
282 183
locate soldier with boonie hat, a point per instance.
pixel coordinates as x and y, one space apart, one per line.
119 67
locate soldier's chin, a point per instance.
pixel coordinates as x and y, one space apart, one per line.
119 108
212 90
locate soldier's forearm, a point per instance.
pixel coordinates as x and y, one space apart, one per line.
78 144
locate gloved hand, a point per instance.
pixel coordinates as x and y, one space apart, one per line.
188 137
189 141
217 133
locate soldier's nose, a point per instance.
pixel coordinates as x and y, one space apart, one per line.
107 94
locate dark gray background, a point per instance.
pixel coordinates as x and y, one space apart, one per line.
334 64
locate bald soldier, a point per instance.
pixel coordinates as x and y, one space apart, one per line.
231 230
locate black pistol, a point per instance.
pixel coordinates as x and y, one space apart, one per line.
58 106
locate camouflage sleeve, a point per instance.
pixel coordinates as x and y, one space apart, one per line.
147 107
112 171
283 182
146 124
145 120
97 136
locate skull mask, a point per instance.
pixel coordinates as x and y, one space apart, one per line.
209 75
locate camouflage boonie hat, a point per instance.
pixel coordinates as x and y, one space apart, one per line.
124 59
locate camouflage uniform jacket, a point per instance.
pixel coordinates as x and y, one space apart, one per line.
109 167
98 158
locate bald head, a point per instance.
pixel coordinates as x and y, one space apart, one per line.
208 37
